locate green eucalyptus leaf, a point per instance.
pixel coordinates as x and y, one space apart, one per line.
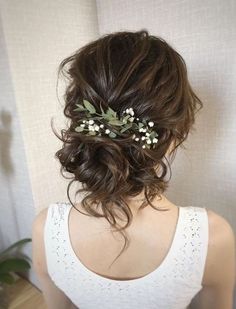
7 278
112 134
89 107
106 116
14 264
111 112
97 117
92 133
79 129
126 118
78 109
103 113
140 124
80 106
116 122
128 126
135 125
152 134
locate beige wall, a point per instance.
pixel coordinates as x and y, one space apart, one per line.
36 36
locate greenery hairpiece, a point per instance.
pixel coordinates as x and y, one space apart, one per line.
127 122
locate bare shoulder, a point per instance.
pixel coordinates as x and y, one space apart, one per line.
219 274
38 250
220 262
40 218
38 224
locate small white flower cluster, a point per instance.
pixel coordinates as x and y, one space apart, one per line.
147 134
92 126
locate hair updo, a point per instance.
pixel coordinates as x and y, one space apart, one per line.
122 70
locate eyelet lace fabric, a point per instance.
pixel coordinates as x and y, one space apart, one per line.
172 285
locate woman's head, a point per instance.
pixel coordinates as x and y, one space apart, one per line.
122 70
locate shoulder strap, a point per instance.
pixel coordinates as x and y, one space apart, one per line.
53 231
194 243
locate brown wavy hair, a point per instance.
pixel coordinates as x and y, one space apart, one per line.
122 70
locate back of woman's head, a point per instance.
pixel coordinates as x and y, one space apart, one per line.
123 70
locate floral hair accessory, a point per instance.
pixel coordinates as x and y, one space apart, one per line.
96 126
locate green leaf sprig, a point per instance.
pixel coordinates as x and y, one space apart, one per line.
110 116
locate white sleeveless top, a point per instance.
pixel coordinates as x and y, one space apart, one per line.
170 286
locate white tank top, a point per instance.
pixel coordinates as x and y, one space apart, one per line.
170 286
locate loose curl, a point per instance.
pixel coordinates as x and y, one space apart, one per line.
122 70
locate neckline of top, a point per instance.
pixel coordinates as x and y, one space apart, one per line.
157 270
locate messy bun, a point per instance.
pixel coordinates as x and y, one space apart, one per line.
123 70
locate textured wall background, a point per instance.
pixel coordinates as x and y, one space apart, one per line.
36 36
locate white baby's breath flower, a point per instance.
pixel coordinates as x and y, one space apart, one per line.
147 134
137 138
107 131
140 129
91 128
131 119
155 140
143 146
82 125
144 130
148 141
101 125
137 118
84 121
151 123
96 127
132 112
91 121
143 138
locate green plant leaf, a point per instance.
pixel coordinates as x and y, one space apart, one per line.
135 125
80 108
7 278
79 129
112 134
128 126
92 133
116 122
103 113
97 117
111 112
16 244
89 107
125 118
13 264
152 134
140 124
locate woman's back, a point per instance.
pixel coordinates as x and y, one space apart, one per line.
154 272
89 236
